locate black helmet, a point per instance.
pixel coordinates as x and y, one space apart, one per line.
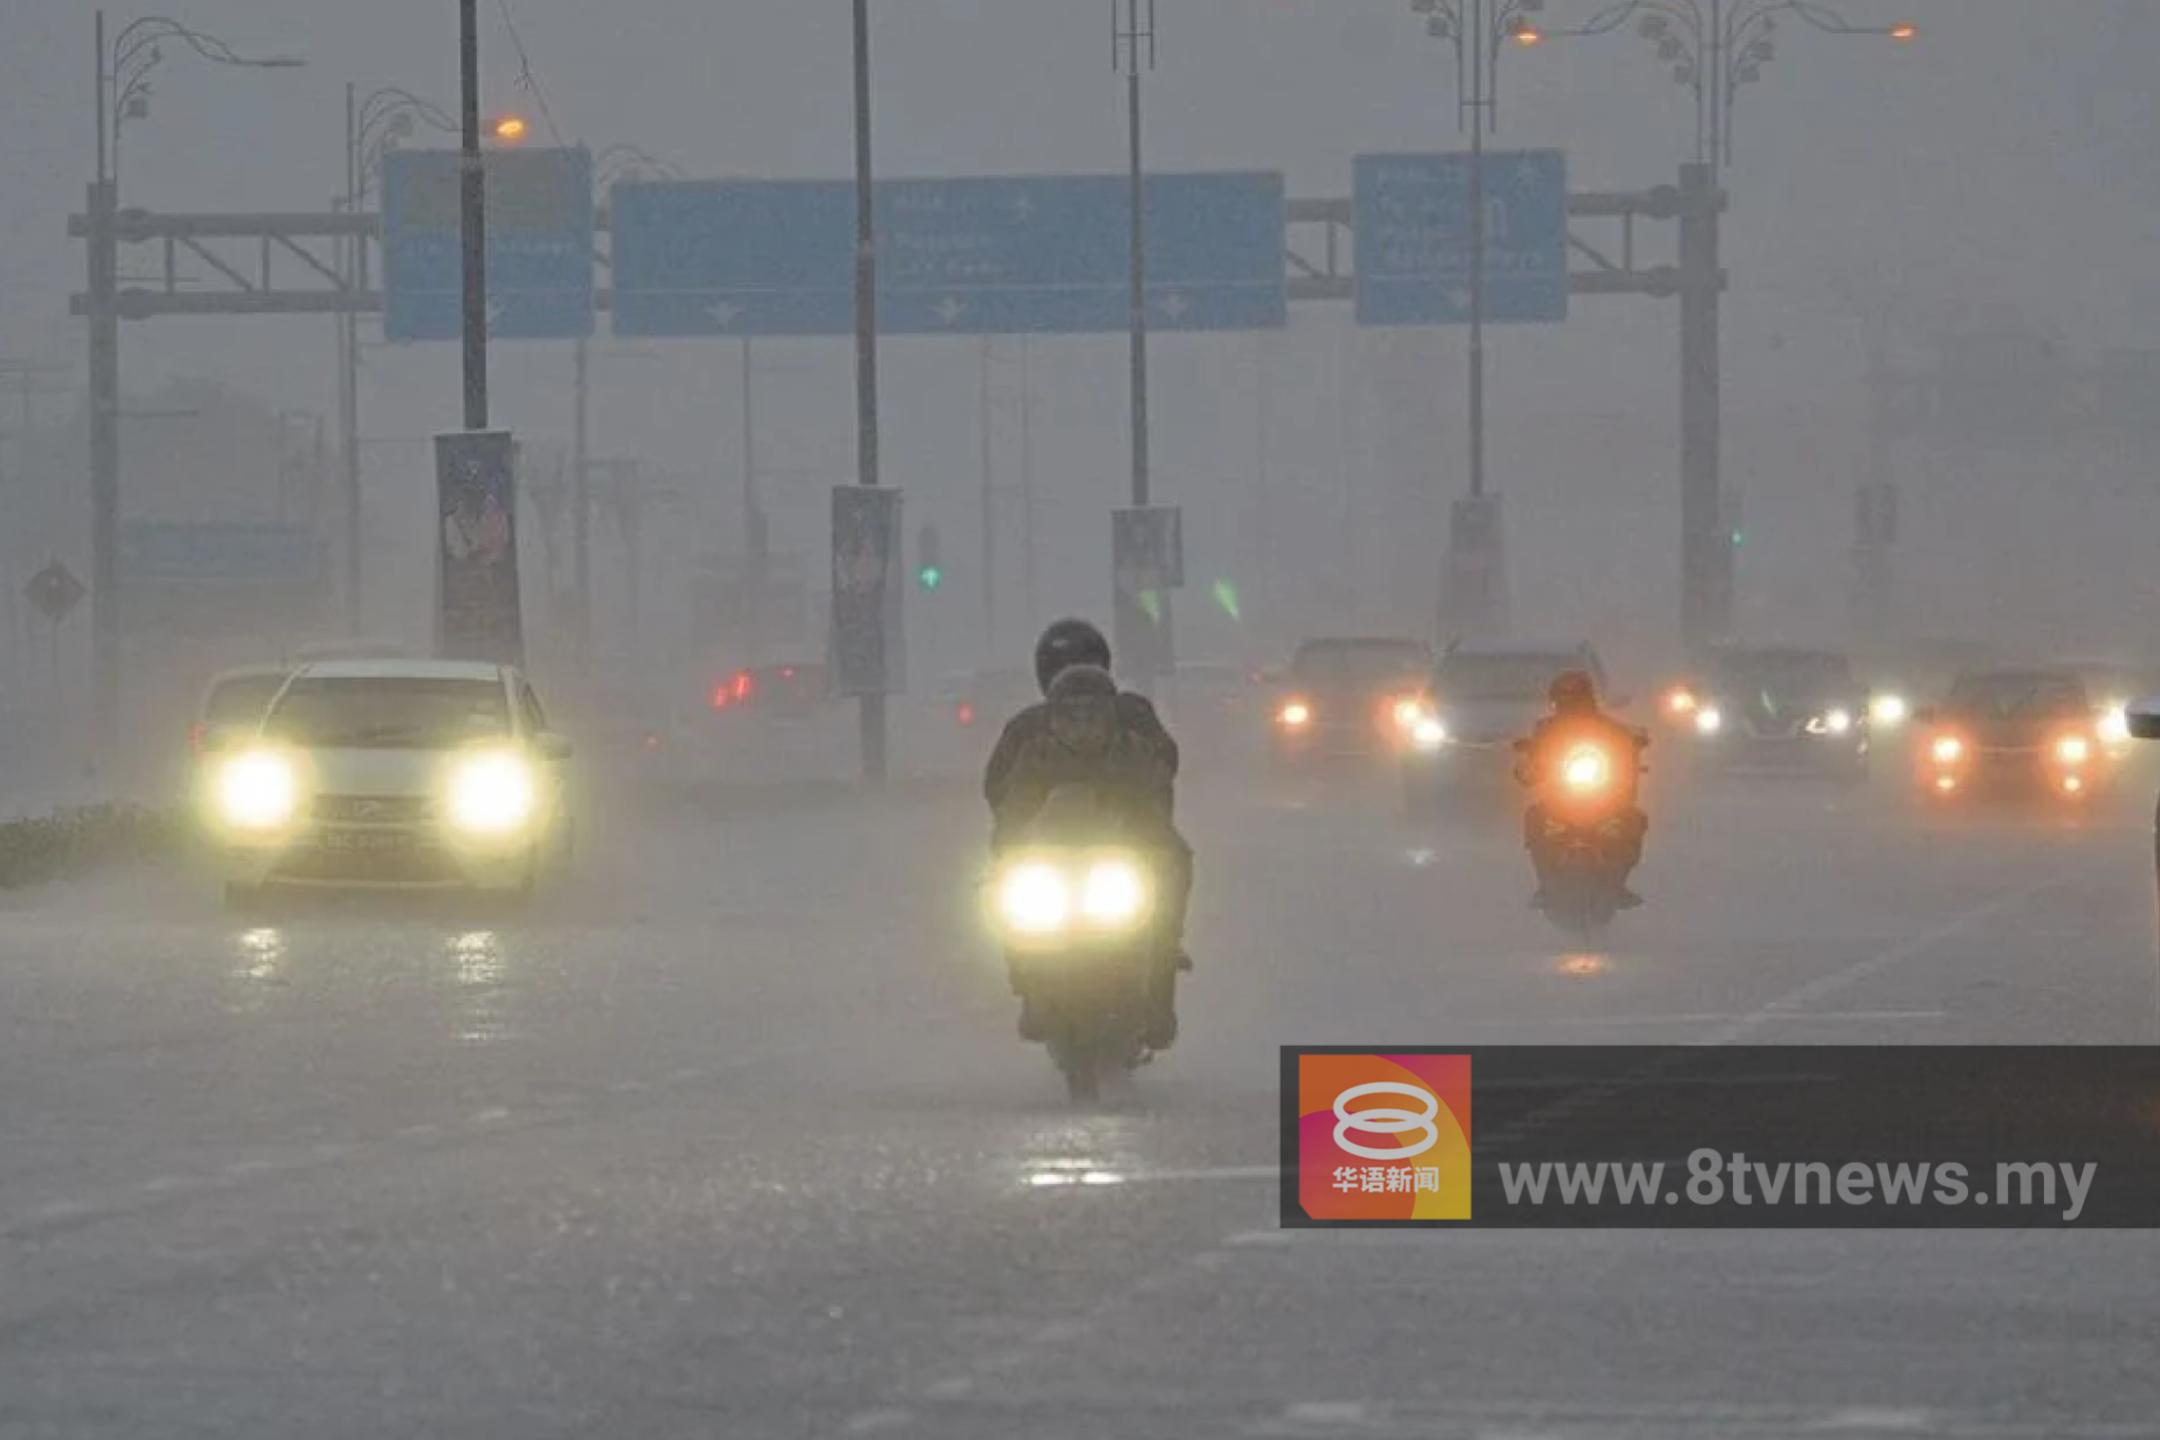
1572 690
1067 643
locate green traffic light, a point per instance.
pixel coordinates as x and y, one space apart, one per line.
929 577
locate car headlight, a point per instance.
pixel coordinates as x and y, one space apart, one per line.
1113 893
1889 710
1295 715
1832 722
1033 899
1681 702
1408 711
2073 750
1430 733
1947 749
1709 720
1587 768
257 790
2114 724
492 793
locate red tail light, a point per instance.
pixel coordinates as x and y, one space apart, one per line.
964 713
745 682
723 695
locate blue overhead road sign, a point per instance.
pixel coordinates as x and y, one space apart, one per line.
955 257
1412 221
539 244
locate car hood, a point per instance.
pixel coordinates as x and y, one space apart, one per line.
376 771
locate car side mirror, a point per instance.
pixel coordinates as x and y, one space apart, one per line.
554 745
2143 717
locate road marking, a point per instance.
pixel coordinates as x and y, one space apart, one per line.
1792 1004
869 1422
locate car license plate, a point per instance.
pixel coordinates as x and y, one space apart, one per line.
366 842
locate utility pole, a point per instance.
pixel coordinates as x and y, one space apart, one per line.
472 203
757 538
1142 638
1705 544
104 422
348 373
866 366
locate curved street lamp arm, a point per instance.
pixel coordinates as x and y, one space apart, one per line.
382 104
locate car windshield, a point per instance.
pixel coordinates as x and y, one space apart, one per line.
1522 676
1786 672
240 701
1359 664
2016 696
389 713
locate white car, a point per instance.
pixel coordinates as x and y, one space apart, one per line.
393 774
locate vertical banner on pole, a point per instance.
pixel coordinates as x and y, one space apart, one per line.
1147 559
477 613
867 656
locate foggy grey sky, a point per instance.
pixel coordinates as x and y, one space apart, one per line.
2006 155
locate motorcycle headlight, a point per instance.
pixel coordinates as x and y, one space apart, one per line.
492 793
1113 893
1709 720
1033 899
1889 710
1586 768
257 790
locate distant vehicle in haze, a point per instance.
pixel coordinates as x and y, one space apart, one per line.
1784 708
1353 696
392 774
2011 732
1481 698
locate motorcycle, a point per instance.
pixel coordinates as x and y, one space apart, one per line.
1582 813
1075 907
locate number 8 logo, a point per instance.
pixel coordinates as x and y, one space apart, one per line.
1387 1120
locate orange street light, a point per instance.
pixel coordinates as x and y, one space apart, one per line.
1903 30
510 129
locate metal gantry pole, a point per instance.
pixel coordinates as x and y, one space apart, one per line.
1027 486
581 505
866 362
472 205
1138 298
989 502
349 376
1478 80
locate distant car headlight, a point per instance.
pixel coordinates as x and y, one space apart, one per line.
1947 749
1430 733
258 790
1408 711
2114 724
2073 750
492 793
1681 702
1033 899
1113 893
1709 720
1889 710
1295 715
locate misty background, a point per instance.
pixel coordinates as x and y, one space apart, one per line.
1979 204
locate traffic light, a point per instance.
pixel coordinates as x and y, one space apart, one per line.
929 574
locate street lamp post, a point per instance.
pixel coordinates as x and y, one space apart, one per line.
121 93
372 125
1715 48
866 356
1476 29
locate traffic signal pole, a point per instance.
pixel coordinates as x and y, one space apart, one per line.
104 421
472 208
1705 542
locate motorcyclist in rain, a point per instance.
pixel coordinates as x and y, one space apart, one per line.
1576 718
1087 731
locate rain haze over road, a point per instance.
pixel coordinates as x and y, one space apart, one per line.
727 1129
